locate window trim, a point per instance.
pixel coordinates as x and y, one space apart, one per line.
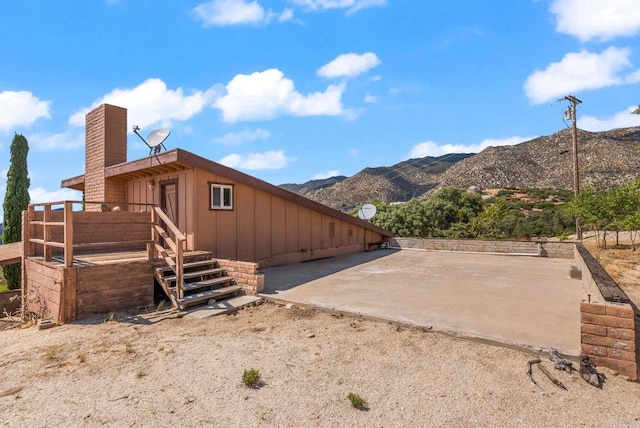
222 187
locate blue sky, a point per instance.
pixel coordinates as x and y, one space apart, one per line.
292 90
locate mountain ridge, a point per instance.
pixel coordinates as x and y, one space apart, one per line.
606 159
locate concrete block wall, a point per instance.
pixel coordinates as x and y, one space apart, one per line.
608 336
549 249
246 274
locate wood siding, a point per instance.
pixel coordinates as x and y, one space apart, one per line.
140 191
268 229
113 287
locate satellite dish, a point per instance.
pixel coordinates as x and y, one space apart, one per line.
155 139
367 211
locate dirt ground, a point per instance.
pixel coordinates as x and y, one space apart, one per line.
620 262
186 372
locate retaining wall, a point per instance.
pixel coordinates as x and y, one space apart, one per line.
533 248
7 304
608 327
246 275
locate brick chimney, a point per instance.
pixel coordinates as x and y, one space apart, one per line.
106 145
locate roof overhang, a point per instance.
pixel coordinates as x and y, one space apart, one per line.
176 160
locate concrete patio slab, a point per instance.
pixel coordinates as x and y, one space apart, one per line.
523 301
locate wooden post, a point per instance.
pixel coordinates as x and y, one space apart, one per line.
68 233
151 248
179 269
46 232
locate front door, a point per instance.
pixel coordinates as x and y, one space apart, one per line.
169 199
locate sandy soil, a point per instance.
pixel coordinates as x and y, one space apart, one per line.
187 372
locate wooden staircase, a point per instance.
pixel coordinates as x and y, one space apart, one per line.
188 279
204 280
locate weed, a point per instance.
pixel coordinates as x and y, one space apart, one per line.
251 378
128 347
357 401
52 353
82 357
142 372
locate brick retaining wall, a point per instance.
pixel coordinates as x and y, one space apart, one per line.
608 336
246 275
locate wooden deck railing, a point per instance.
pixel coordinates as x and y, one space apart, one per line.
57 231
172 238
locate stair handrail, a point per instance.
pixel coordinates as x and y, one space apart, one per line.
176 244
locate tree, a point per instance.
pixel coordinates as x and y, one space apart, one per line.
636 111
16 199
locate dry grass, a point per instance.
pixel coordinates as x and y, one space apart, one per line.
621 263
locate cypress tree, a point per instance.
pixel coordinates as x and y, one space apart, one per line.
16 199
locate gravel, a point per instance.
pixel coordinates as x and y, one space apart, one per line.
188 372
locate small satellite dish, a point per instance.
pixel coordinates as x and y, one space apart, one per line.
155 139
367 211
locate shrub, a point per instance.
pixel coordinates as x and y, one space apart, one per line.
356 401
251 378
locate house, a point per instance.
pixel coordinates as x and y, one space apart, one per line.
192 204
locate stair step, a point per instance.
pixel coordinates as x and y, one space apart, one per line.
188 265
188 275
210 294
190 286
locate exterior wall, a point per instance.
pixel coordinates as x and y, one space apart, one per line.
6 304
113 287
139 191
549 249
608 336
43 289
268 229
245 274
106 145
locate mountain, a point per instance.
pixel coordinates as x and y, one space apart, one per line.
400 182
606 159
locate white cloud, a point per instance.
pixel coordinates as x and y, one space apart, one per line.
370 99
21 108
623 119
349 65
241 137
40 194
328 174
597 19
222 13
267 94
579 71
431 148
352 6
257 161
72 138
152 103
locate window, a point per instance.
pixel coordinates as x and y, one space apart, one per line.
221 196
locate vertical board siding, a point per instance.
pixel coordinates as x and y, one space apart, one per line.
304 235
292 228
316 230
278 226
260 227
245 207
263 228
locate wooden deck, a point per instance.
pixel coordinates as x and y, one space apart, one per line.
10 253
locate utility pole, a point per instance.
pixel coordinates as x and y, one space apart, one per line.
571 112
